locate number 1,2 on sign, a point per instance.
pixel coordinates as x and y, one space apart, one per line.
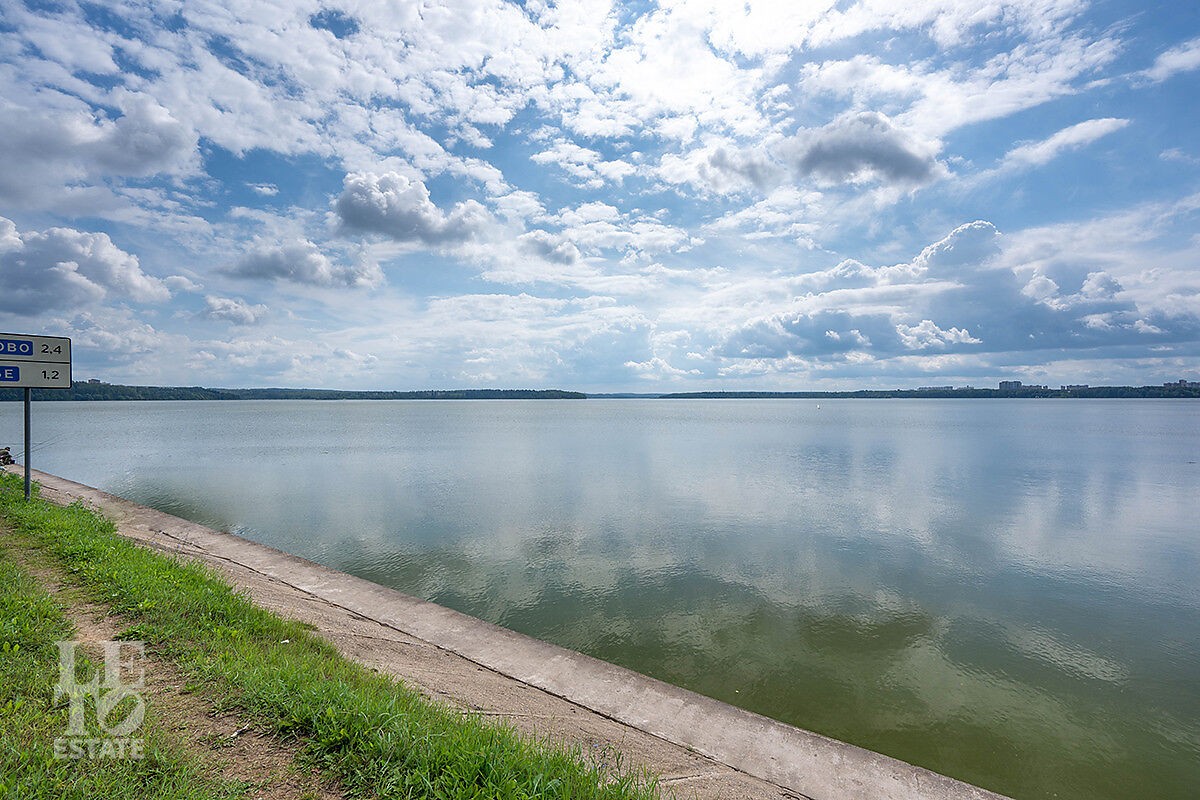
50 374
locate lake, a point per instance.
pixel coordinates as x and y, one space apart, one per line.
1005 591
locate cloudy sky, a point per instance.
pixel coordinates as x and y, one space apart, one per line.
688 194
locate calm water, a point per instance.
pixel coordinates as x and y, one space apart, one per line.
1004 591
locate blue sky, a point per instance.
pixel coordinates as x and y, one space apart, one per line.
648 196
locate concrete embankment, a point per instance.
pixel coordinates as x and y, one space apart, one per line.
703 748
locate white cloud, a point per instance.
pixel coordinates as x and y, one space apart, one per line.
964 296
947 22
1027 76
1144 327
967 248
400 208
1040 288
232 309
1099 285
181 283
1071 138
1176 154
1181 58
43 153
658 369
303 262
861 146
660 70
115 336
596 227
865 77
549 247
926 334
520 206
722 167
525 339
63 268
787 211
584 164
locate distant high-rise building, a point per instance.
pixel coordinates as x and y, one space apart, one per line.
1009 386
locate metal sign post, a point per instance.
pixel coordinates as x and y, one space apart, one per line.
34 362
28 403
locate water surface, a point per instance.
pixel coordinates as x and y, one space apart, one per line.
1001 590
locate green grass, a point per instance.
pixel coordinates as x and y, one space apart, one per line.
31 623
374 735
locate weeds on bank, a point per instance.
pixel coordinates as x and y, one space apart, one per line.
374 735
31 718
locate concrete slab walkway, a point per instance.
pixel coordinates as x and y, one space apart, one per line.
703 748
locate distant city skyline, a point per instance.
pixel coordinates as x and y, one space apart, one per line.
601 197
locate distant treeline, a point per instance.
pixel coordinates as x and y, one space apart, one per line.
114 391
1025 391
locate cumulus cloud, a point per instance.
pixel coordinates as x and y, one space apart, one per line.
1100 285
861 146
400 208
115 336
1040 288
586 165
181 283
145 140
63 268
850 334
961 295
926 335
42 152
968 246
232 309
1014 306
822 334
549 247
722 168
600 226
752 167
303 262
657 369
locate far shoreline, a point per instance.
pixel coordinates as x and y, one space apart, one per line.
99 391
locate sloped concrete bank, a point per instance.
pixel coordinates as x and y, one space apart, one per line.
703 748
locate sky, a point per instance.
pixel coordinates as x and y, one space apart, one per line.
673 196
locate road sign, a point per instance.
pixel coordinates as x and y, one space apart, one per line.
34 375
34 362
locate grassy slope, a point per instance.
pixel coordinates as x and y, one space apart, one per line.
376 736
31 622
